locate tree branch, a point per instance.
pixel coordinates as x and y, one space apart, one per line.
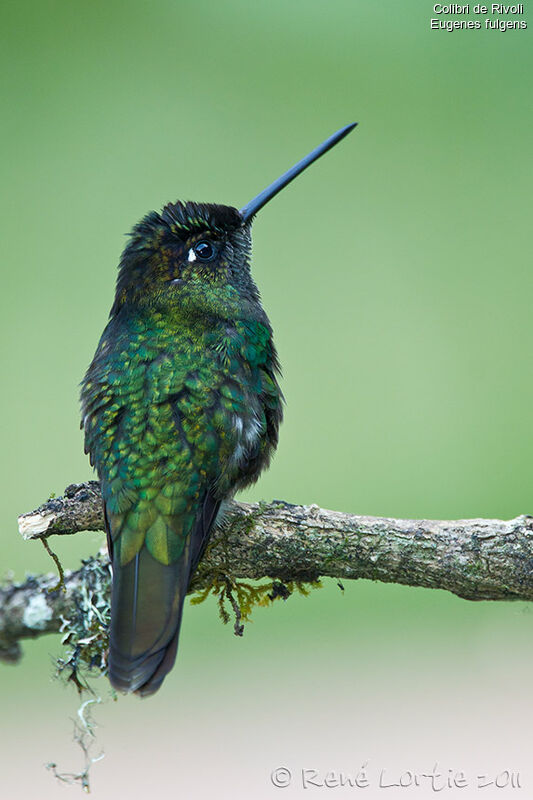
476 559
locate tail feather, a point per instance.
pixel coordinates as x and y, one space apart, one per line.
147 604
165 665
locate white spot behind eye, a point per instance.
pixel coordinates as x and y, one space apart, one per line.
192 255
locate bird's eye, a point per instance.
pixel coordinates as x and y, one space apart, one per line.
204 250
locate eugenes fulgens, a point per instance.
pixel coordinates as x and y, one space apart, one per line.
181 408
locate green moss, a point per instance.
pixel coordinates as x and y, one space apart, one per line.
241 597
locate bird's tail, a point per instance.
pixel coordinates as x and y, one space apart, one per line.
146 609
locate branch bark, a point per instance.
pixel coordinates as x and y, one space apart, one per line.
476 559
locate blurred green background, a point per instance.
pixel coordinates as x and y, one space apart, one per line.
397 275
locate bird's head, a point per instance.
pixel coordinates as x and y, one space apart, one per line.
193 259
191 256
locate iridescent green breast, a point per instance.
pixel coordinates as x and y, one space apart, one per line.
171 415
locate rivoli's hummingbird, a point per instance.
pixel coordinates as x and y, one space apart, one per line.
181 408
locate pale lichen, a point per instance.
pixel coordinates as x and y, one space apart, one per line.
86 632
37 613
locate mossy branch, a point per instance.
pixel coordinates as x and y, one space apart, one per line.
476 559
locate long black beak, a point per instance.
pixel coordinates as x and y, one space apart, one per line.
251 208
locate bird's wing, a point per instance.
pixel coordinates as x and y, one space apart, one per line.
157 461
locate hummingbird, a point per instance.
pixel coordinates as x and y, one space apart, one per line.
181 407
